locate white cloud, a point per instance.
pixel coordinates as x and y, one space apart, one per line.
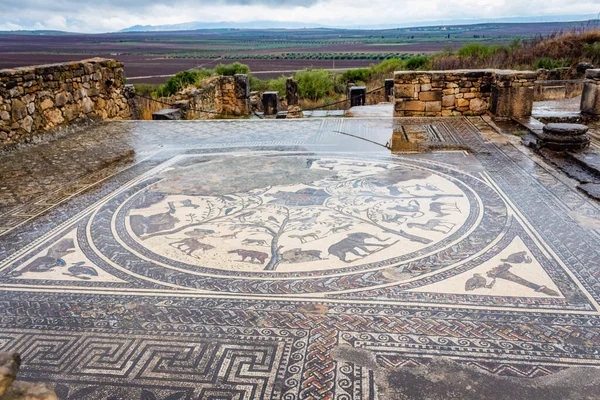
9 26
112 15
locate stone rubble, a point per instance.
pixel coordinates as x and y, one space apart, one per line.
11 390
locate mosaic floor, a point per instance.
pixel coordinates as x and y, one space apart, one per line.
282 259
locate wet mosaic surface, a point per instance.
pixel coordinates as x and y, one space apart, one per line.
242 259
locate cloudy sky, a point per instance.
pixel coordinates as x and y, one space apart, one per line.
113 15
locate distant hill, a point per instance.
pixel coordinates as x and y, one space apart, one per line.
190 26
36 33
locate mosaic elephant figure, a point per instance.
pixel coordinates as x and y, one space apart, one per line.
353 243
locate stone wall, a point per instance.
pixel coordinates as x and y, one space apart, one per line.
558 90
38 99
463 92
217 97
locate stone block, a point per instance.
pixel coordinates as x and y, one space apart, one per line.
87 105
46 104
426 87
19 110
522 101
462 103
478 106
167 114
270 101
60 99
433 107
404 90
72 111
511 102
411 105
54 116
357 96
27 124
430 96
590 97
448 101
592 74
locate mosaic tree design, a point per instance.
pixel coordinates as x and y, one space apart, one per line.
372 211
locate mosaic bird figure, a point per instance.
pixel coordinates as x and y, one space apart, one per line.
518 258
81 271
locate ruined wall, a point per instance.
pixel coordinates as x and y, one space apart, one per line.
558 90
219 96
38 99
463 92
442 93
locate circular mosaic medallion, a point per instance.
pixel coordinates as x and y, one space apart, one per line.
267 220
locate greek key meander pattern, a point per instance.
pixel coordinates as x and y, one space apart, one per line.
505 280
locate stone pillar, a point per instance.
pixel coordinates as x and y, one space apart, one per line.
357 96
242 93
270 101
389 89
129 94
590 98
513 93
291 92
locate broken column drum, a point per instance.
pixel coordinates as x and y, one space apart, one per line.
564 137
270 102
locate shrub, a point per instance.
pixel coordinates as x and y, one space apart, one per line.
389 65
314 84
549 63
231 69
145 89
355 75
277 85
176 83
258 85
478 50
592 51
417 62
